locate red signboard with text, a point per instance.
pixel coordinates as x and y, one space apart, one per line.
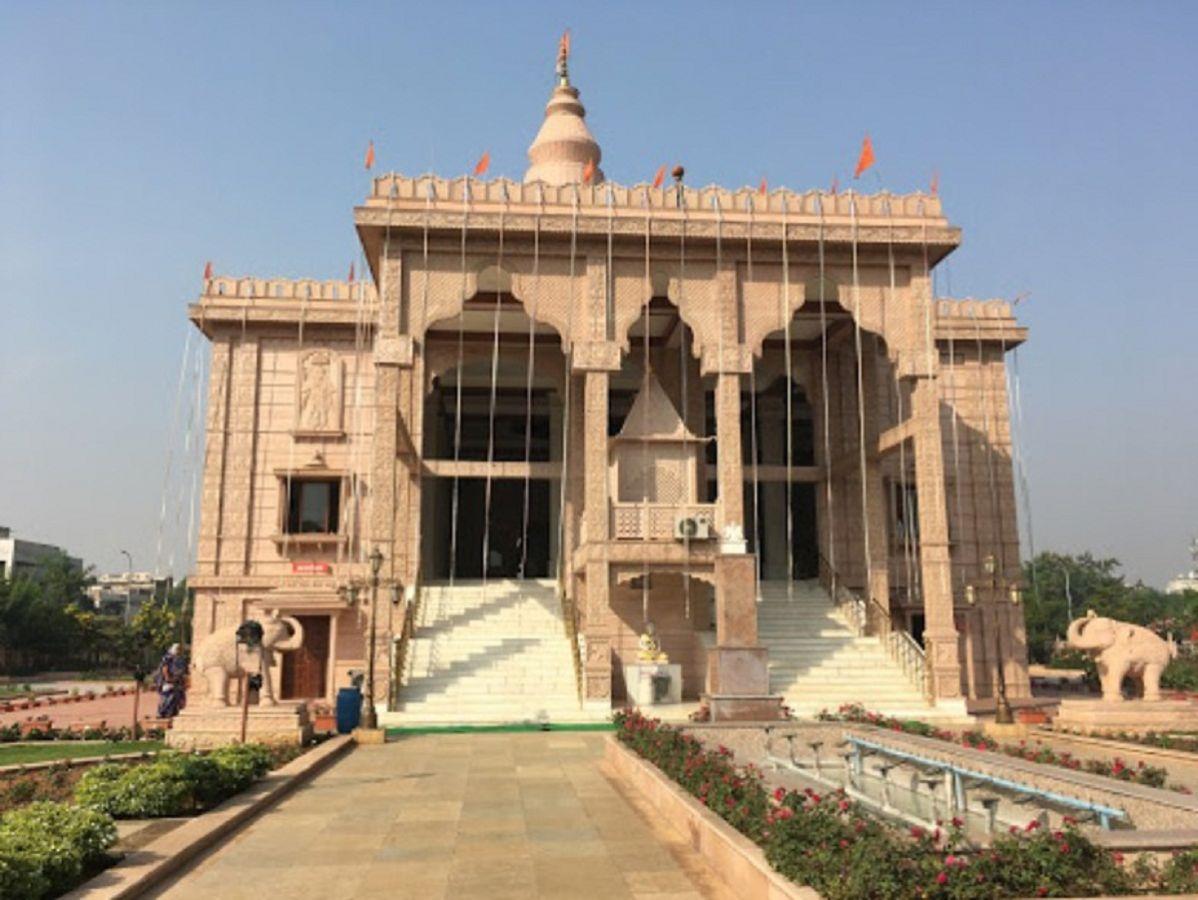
310 568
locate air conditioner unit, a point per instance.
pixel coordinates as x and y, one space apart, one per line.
692 528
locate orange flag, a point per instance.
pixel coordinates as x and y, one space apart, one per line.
484 163
835 185
370 156
935 185
351 273
866 159
659 177
563 47
763 188
589 172
208 270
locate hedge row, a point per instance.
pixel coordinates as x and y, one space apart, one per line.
173 784
831 844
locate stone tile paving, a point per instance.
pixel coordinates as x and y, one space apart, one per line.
458 816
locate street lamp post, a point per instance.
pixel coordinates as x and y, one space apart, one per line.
369 716
128 581
1003 714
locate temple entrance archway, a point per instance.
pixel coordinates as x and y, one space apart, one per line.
492 440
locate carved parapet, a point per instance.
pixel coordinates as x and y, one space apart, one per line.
439 203
252 288
973 320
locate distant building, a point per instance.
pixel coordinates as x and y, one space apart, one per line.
1189 580
21 557
125 593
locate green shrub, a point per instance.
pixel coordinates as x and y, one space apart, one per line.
174 784
1181 674
46 847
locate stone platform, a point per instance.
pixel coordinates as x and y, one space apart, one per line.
205 727
1131 716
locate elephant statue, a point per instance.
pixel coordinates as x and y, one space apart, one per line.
1121 649
221 656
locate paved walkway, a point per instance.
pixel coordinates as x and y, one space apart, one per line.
524 815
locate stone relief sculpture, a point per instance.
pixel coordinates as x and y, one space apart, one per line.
1121 649
221 656
318 393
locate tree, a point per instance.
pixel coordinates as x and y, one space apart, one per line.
1099 585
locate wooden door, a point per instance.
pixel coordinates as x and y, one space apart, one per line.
305 669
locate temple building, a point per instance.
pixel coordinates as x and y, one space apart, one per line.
564 409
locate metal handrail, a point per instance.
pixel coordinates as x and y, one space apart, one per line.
407 631
570 622
868 617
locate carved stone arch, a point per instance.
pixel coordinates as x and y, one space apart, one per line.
769 302
632 295
541 288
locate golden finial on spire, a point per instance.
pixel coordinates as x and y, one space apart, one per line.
563 58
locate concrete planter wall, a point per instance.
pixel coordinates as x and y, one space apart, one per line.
738 860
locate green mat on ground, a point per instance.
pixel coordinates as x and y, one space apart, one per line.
515 727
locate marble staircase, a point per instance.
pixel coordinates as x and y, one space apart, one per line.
488 654
817 662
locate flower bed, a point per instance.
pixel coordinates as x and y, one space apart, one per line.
43 730
1149 776
830 844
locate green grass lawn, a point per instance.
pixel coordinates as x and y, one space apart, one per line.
18 754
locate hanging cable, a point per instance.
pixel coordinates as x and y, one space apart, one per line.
829 496
911 570
789 387
1021 469
860 399
685 390
457 416
753 408
177 408
646 479
568 381
984 441
532 344
491 406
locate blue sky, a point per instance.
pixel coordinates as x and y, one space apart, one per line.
138 140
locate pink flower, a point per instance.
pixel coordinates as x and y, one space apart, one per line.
941 877
1032 825
779 795
916 832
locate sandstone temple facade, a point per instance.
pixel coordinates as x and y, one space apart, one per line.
564 408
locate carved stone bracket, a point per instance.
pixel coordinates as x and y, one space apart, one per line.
597 356
393 351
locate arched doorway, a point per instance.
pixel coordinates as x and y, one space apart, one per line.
492 436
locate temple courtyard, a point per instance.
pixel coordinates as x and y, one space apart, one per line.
522 814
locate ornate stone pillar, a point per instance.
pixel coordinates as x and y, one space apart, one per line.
738 678
940 633
730 474
596 516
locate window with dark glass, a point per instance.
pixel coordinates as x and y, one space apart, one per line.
313 506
